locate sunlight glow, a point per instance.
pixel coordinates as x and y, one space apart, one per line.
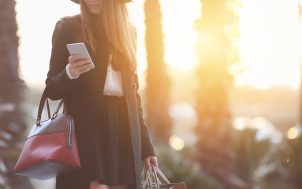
293 133
36 21
179 35
176 142
269 48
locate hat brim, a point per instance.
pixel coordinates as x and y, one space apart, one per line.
78 1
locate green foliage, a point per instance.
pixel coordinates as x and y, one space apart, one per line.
249 151
291 158
264 164
178 166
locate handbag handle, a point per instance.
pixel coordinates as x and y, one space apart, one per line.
41 107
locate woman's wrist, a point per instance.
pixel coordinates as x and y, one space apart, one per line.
69 74
150 160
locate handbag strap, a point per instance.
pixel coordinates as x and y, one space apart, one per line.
41 107
58 108
48 109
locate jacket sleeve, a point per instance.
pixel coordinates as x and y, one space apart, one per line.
147 143
58 84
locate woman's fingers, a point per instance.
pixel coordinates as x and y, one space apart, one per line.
148 164
80 69
83 69
78 65
151 160
74 58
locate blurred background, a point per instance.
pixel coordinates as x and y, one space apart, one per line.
220 82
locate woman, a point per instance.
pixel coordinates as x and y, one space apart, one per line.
113 139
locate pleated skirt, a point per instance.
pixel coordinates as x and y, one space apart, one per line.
105 149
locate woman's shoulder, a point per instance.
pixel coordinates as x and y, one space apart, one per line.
67 28
69 23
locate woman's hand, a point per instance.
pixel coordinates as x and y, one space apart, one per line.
77 65
150 160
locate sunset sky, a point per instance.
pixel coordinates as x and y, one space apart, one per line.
268 28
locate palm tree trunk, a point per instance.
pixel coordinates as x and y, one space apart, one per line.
300 56
12 120
214 128
158 84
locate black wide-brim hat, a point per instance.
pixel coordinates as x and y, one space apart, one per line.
78 1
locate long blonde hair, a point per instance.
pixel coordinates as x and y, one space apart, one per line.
120 33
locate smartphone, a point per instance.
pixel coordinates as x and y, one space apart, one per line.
81 50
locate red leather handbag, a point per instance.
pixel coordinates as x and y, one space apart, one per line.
51 147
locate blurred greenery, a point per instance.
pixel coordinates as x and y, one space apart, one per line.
291 158
178 166
249 152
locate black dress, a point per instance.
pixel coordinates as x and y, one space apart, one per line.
105 148
112 158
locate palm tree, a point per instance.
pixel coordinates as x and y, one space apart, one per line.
12 120
158 84
217 29
300 31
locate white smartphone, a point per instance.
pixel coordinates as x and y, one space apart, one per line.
81 50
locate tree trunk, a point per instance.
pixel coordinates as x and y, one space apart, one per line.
12 120
158 84
214 128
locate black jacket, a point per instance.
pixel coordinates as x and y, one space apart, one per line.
80 94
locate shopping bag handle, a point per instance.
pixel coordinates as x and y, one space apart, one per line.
149 178
157 171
